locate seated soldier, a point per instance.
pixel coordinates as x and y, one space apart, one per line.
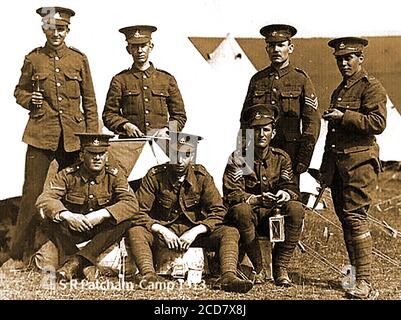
87 201
179 207
253 185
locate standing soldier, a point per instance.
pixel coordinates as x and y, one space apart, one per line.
351 164
53 81
143 100
90 200
290 88
253 186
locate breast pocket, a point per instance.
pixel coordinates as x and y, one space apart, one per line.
73 81
191 202
160 96
40 82
75 199
258 96
130 101
290 102
348 105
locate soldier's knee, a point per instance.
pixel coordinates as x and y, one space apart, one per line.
230 233
138 233
241 214
295 212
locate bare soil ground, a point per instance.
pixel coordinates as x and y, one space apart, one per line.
313 280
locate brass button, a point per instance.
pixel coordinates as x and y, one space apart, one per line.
146 99
57 70
91 196
58 84
147 111
339 99
92 183
60 98
56 58
61 111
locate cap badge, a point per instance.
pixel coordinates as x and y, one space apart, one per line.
137 34
96 142
258 116
341 46
57 16
274 33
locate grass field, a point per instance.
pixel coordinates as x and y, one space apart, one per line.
313 280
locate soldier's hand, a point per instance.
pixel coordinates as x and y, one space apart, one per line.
333 115
188 237
163 133
77 222
282 196
97 217
37 98
268 198
301 168
132 130
170 238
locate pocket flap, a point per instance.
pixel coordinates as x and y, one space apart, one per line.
291 135
259 93
75 199
165 201
352 105
103 201
131 92
160 92
73 75
290 94
39 76
190 202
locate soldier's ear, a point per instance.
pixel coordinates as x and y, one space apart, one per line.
128 49
361 58
291 48
273 132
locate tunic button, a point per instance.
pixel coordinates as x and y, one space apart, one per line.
147 123
274 90
273 102
146 99
276 77
57 70
60 98
175 211
147 111
333 130
58 84
61 111
90 209
145 87
57 58
264 178
333 145
339 99
91 196
347 107
92 183
144 76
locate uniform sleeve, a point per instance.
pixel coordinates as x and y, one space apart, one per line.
373 113
146 197
233 185
23 90
212 203
111 112
286 181
125 202
248 100
310 118
176 108
88 98
50 199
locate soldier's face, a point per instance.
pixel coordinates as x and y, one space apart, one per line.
183 161
140 52
279 52
263 135
55 35
94 161
349 64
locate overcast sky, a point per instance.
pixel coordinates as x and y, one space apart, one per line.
94 30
